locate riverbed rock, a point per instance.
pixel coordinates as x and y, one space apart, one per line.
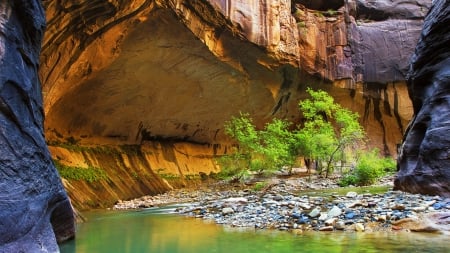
315 212
227 210
334 212
35 212
359 227
432 222
424 164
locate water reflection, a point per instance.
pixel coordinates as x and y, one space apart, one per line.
151 231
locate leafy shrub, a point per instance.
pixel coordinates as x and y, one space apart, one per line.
260 151
259 186
233 166
90 174
348 179
369 168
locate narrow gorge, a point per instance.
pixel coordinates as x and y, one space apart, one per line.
141 89
169 73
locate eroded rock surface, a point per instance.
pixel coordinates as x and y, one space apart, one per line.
424 164
132 71
35 211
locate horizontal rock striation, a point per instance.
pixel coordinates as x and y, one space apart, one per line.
132 71
424 164
131 171
35 212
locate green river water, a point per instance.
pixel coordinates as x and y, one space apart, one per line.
156 230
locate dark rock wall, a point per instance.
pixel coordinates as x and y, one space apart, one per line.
424 161
35 211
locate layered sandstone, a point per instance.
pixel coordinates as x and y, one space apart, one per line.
173 71
131 71
424 164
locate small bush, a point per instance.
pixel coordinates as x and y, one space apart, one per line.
348 179
369 168
259 186
90 174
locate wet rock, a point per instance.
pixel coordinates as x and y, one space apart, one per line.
424 164
433 222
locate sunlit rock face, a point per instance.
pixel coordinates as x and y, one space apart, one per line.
131 71
35 211
424 161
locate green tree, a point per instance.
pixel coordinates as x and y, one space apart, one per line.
260 151
277 145
329 130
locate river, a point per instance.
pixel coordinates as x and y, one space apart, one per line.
159 231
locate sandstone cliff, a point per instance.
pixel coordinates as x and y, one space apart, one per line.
424 161
143 71
130 71
35 211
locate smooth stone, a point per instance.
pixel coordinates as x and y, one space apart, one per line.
330 222
323 216
350 215
398 207
239 200
227 210
351 195
304 205
339 225
326 228
315 212
334 212
381 218
359 227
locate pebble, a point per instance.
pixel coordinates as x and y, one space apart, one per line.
285 207
359 227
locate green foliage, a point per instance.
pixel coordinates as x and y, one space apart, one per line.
329 130
277 145
234 166
259 186
369 168
329 134
90 174
260 151
348 179
331 13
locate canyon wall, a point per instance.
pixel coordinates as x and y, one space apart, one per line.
131 72
35 212
424 164
135 170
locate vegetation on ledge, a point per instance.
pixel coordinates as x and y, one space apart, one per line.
89 174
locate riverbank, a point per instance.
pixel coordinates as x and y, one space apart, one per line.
297 205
